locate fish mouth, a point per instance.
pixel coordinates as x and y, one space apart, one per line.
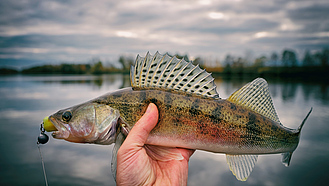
61 131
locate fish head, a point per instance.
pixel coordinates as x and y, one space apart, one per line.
86 123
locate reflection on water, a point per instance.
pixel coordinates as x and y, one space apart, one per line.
26 100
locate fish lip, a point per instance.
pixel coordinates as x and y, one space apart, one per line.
61 129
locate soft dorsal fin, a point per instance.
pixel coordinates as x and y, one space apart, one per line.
241 165
171 73
256 96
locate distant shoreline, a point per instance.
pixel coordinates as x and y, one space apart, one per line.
311 72
304 71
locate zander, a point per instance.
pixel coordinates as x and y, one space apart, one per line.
191 115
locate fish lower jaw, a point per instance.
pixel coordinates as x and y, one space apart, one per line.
60 134
61 130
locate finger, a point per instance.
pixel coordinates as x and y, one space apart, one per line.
139 133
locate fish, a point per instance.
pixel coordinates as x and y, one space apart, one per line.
192 115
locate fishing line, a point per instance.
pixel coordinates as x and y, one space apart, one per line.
42 138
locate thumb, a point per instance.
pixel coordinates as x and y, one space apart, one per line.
139 133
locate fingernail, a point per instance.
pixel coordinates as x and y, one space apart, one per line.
149 108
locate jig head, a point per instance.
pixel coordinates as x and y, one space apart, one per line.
42 138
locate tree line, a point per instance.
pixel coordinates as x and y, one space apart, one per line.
287 64
288 58
231 64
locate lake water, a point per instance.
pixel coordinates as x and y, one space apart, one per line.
26 100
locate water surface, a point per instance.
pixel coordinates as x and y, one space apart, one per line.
26 100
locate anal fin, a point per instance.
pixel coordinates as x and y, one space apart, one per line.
286 157
241 165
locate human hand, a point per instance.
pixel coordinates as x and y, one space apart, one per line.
136 167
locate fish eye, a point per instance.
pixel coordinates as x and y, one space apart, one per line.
67 115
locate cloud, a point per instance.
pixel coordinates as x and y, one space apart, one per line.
56 31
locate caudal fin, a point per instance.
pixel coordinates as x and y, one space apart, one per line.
286 157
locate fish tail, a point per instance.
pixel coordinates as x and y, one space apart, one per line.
286 157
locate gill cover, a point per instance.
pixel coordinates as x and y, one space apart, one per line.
106 121
88 123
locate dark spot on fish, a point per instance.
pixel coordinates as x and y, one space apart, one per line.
168 101
253 132
216 114
195 112
179 109
176 122
196 104
274 128
251 121
203 128
233 107
237 116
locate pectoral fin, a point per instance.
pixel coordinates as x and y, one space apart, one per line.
118 142
241 165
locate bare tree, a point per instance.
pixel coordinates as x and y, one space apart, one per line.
275 58
308 59
289 58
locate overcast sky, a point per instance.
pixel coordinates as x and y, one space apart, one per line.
35 32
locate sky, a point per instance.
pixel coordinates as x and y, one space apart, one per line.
34 32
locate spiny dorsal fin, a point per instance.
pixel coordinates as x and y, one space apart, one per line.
163 71
256 96
241 165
